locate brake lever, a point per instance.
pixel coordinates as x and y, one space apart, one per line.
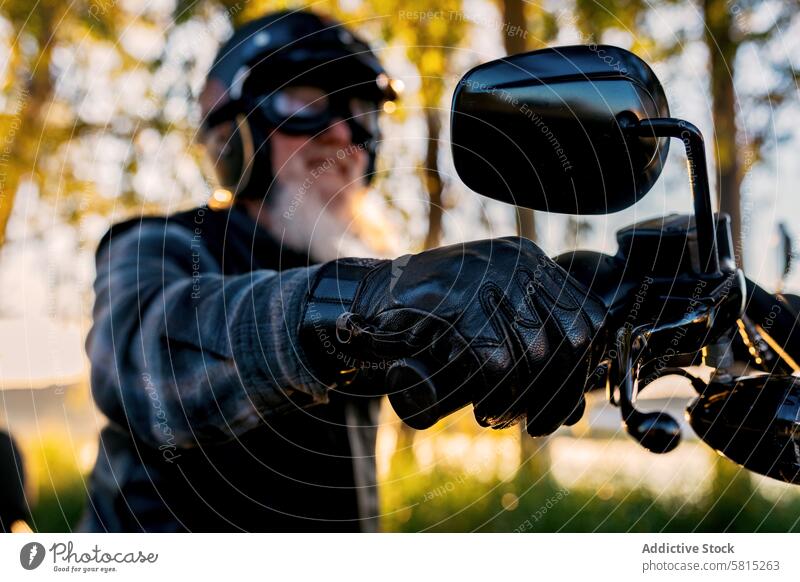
658 432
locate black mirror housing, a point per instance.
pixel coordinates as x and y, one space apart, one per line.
546 129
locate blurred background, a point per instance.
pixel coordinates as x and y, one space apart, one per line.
97 123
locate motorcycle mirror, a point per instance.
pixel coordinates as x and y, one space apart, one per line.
546 129
754 421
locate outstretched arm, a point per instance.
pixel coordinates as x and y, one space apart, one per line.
182 354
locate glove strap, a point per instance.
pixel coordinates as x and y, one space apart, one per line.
327 323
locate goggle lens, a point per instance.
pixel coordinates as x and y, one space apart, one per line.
300 102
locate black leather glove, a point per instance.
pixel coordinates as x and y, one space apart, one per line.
493 322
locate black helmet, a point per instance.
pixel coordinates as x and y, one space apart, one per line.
279 51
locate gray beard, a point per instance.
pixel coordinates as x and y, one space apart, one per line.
324 232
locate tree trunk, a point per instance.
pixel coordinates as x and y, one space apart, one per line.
722 49
433 178
38 90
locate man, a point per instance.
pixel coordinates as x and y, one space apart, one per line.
238 376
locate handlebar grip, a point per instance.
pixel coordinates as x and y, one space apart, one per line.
416 398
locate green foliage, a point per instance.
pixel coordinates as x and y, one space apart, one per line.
452 501
457 500
56 484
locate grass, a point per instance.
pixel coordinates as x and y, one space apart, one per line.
452 500
58 492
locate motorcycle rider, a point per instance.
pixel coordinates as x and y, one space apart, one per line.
231 363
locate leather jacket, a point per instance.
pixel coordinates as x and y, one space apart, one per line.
215 424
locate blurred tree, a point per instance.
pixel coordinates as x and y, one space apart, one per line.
729 27
28 127
430 37
80 86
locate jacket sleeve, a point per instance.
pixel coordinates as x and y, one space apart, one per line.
183 355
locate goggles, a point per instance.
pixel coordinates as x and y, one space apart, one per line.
304 110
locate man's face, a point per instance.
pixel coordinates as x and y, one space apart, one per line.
319 199
327 167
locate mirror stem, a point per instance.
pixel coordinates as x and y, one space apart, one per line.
698 178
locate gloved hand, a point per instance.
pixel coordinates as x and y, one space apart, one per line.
493 322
